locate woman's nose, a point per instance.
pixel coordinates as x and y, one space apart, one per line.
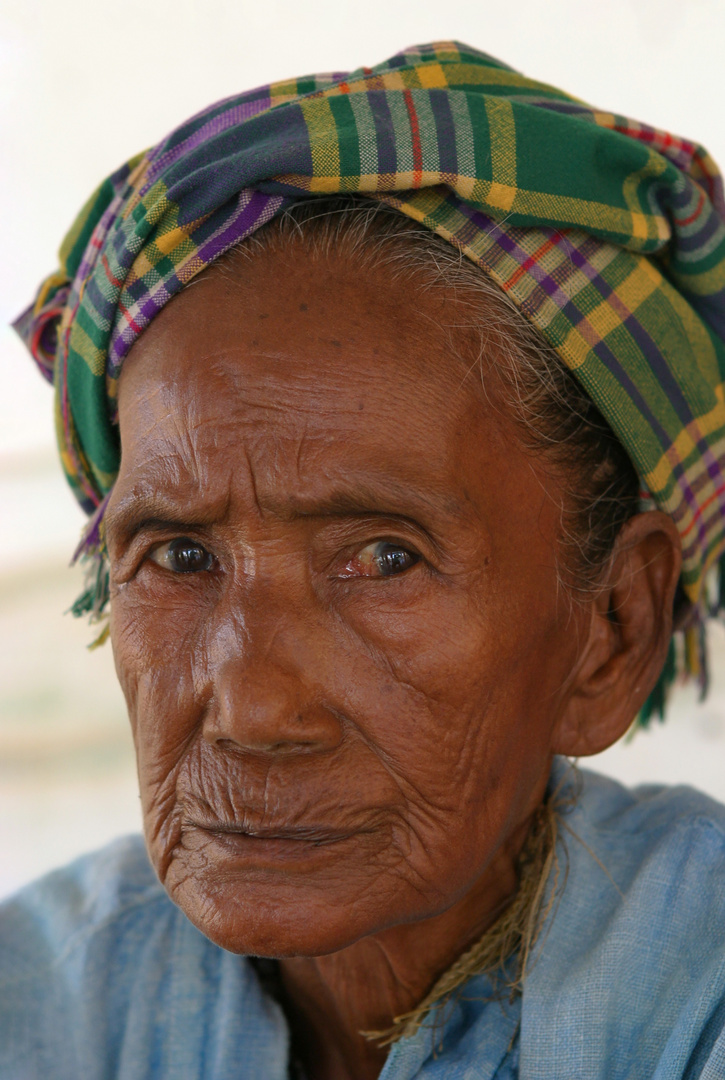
261 708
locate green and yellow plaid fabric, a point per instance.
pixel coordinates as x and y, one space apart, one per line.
609 236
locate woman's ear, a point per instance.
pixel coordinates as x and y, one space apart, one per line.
628 638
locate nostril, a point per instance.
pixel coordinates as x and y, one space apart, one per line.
268 711
282 747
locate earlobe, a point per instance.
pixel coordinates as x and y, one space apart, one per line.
629 632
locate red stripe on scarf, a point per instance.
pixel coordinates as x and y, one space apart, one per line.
111 277
691 218
526 266
415 133
132 323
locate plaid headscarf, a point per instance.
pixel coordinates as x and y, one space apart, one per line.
609 236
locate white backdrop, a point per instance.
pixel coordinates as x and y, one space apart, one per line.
87 83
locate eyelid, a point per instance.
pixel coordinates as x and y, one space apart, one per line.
393 542
182 540
357 532
337 542
148 536
343 562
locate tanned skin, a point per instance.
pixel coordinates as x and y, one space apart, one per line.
340 629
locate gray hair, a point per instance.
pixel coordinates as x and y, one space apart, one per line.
555 417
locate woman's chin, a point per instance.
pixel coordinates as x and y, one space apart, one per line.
285 924
281 897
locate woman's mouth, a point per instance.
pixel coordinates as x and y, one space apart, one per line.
266 842
313 834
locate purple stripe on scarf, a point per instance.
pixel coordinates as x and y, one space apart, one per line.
575 317
441 109
221 122
696 241
253 210
711 308
384 132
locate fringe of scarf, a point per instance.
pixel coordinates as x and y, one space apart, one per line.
687 656
92 554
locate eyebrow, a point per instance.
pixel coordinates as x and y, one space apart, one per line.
135 513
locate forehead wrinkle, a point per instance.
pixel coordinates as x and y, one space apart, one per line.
302 472
289 429
300 382
306 473
357 497
165 478
174 491
310 397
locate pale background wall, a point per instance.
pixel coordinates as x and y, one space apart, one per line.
85 84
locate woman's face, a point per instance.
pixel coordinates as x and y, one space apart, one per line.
335 609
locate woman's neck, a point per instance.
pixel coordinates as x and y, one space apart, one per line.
331 999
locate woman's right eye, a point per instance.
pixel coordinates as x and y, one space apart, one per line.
182 556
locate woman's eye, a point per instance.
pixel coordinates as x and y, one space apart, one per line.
182 556
381 559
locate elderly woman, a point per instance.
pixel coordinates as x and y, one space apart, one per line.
396 400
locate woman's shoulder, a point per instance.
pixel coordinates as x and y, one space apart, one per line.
651 858
101 974
60 912
632 965
635 828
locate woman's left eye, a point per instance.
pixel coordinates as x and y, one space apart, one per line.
182 556
381 559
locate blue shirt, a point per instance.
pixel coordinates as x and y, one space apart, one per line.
102 977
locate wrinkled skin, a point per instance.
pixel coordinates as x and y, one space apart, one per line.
345 711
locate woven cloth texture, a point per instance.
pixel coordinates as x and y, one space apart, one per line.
609 235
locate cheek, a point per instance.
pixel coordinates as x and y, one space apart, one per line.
157 648
463 683
443 749
159 636
459 696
